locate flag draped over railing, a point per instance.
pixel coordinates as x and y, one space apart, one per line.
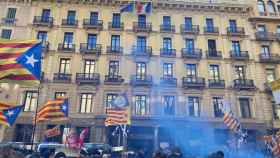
52 111
20 62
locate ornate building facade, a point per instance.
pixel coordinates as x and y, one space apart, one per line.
176 64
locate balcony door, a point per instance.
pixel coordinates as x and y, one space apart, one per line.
141 43
71 17
93 18
189 45
68 40
113 69
214 72
188 23
191 72
64 66
209 25
115 42
240 72
116 21
235 46
167 43
265 51
232 26
141 71
212 47
46 13
89 66
42 36
166 21
142 21
91 41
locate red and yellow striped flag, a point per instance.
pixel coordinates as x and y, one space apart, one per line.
20 62
117 116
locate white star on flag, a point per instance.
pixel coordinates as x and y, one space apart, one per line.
64 107
10 113
31 60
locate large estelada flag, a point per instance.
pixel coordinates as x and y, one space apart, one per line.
275 86
9 115
20 62
53 111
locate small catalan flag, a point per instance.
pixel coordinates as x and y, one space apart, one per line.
117 116
55 110
9 116
231 122
20 62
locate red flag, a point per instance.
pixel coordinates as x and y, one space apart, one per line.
83 134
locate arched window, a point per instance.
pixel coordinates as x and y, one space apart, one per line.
271 7
261 6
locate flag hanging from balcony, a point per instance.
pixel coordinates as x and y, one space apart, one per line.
119 113
127 8
143 8
20 62
9 115
275 86
53 111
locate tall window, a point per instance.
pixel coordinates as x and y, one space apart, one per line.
140 71
166 21
168 105
89 66
115 42
261 28
64 66
59 95
42 36
265 51
218 106
109 98
210 25
71 17
167 43
167 69
141 43
191 69
142 21
46 13
141 105
86 102
116 21
30 100
91 41
194 107
271 7
188 23
68 39
235 47
245 107
189 45
6 33
270 75
214 72
278 29
240 72
232 26
113 68
212 48
11 14
23 133
93 18
261 6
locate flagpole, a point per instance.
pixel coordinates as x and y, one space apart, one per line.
35 119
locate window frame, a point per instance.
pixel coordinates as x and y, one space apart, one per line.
88 106
33 101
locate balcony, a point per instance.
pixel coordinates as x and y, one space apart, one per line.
194 29
142 27
167 28
235 31
165 52
115 50
88 78
244 84
45 46
191 54
88 49
216 83
43 21
113 80
142 51
169 81
214 54
67 47
69 23
242 55
211 30
270 58
265 36
62 78
141 80
116 26
9 21
193 82
93 24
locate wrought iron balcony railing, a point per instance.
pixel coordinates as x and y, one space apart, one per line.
138 51
116 26
270 58
165 52
244 84
141 80
67 47
113 79
214 54
115 50
142 27
167 28
43 21
185 29
235 31
62 78
242 55
93 24
88 78
216 83
265 36
9 21
168 81
211 30
193 82
69 22
191 53
86 48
